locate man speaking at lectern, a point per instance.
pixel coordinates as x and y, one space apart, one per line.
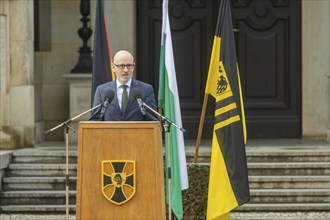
117 94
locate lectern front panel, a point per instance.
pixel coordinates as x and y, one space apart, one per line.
102 146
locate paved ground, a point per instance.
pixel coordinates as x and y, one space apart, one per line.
234 216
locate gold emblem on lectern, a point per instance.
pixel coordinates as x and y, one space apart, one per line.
118 180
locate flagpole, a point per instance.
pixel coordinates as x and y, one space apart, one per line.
167 125
67 171
167 131
200 129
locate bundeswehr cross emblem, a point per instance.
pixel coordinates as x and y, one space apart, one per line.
118 180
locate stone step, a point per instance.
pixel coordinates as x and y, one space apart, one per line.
43 159
290 196
257 196
34 155
40 170
37 156
42 209
37 183
289 168
273 168
289 182
249 207
273 156
254 154
283 207
256 182
55 197
289 155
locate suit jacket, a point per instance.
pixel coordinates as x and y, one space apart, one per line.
132 112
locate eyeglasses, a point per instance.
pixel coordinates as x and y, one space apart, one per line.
122 66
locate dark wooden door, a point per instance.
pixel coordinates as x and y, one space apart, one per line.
268 52
269 56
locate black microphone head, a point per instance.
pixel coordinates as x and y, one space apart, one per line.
136 93
109 95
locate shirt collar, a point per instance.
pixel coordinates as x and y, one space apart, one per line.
128 83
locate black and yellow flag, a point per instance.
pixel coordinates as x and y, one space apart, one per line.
228 182
102 57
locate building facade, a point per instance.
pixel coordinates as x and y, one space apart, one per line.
37 88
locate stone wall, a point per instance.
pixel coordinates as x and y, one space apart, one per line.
52 90
52 67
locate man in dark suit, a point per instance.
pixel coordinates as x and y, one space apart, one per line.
123 65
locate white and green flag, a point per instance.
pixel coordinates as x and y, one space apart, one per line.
168 100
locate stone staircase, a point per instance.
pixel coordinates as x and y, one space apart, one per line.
34 181
289 180
282 179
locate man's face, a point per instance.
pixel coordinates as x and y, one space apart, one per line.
123 66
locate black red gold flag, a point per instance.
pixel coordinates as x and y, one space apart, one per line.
102 57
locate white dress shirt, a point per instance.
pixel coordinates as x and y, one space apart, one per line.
120 90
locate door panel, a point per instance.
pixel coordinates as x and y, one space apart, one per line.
268 53
268 48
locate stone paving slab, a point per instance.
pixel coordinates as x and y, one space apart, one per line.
234 216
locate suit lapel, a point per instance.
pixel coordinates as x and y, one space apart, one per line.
134 84
113 87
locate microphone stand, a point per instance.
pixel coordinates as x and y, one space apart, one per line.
67 125
163 117
167 126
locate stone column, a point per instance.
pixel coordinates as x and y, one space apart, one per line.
18 97
6 140
316 69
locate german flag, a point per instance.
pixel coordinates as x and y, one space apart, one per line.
102 57
228 182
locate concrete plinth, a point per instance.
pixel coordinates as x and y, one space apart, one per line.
80 100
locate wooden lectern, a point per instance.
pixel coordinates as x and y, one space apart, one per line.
120 171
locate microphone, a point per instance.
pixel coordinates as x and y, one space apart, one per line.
137 96
109 95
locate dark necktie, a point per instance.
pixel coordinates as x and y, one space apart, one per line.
124 98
